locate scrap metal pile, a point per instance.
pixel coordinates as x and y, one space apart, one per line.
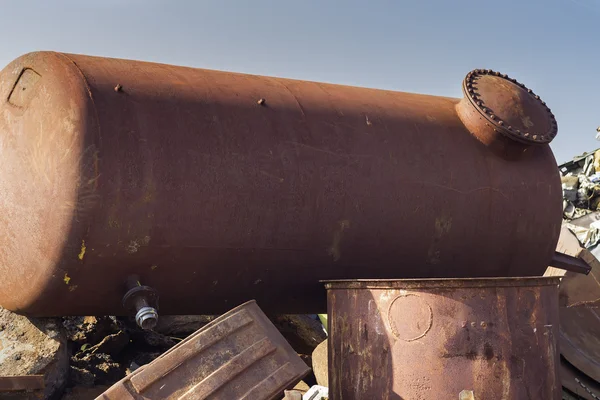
139 190
581 196
580 296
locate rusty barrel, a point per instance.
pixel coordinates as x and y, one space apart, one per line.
240 355
467 339
216 188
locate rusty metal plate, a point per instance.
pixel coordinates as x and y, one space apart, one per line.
443 339
216 188
578 383
239 355
21 383
579 314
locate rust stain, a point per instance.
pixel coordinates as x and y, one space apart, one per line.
335 250
441 228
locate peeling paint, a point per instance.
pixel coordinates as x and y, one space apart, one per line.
82 251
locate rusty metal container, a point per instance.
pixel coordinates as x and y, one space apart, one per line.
240 355
215 188
466 339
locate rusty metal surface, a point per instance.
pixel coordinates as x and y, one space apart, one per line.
443 339
578 308
216 188
21 383
578 383
239 355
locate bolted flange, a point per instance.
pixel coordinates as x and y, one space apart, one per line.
509 107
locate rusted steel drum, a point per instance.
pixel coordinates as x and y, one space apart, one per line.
240 355
464 339
216 188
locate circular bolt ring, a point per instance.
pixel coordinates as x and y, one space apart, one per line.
468 89
143 301
149 294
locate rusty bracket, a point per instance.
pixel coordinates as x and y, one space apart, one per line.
21 383
573 264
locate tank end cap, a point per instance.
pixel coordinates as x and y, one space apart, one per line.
509 107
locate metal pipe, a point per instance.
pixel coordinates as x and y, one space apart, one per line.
143 301
569 263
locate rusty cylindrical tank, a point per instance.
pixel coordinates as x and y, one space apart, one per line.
464 339
216 188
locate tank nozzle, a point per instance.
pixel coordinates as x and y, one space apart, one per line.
143 300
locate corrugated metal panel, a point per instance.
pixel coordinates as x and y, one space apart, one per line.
240 355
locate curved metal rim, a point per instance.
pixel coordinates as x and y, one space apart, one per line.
499 125
150 293
440 283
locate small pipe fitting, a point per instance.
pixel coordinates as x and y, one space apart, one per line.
143 301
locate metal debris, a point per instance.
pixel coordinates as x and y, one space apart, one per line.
21 383
586 389
317 393
239 355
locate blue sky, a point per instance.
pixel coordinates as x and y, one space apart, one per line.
423 46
